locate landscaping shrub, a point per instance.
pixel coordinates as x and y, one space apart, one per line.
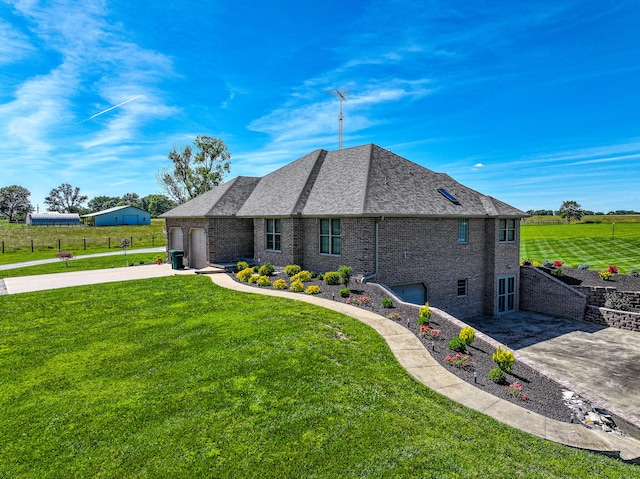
253 279
429 333
332 277
303 276
558 273
461 361
266 269
263 280
244 275
504 358
313 289
635 273
468 335
613 269
296 286
320 276
605 275
345 274
425 314
345 293
394 316
583 266
292 269
497 375
557 264
256 268
547 263
386 302
280 284
240 265
457 344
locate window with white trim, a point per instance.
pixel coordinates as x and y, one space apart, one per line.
507 230
463 230
462 288
274 234
330 236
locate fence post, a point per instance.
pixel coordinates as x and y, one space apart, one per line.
153 239
58 244
32 246
131 241
84 243
3 247
109 242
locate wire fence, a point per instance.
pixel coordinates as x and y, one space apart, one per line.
80 244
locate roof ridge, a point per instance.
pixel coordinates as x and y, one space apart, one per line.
365 196
310 181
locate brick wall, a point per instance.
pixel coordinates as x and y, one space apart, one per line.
610 317
596 296
542 293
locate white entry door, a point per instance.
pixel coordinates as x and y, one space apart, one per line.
506 294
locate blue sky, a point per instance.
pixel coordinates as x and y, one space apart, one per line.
533 103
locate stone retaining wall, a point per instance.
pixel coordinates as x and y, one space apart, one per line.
596 296
613 318
542 293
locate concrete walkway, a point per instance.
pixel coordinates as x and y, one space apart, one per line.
407 348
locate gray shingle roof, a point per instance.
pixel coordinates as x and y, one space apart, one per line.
223 200
362 181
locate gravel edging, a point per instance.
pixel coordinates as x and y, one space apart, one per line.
543 395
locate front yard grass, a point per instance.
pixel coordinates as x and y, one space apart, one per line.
175 377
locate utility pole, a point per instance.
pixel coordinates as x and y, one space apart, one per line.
343 98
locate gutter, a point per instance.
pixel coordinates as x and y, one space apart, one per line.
375 272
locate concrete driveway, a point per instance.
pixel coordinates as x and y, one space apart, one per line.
603 362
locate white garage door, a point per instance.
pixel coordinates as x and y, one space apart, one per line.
175 239
414 293
198 249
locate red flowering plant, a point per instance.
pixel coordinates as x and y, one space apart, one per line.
362 301
349 299
557 264
427 331
394 315
461 361
515 389
613 269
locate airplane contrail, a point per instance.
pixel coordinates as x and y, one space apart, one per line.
112 107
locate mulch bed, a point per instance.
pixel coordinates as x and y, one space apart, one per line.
588 277
543 395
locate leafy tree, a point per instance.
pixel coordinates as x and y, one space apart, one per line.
571 211
131 199
100 203
193 174
14 202
157 204
65 199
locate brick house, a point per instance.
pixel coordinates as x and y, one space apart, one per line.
421 233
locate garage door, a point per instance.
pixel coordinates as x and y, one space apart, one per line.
130 219
198 249
175 239
414 293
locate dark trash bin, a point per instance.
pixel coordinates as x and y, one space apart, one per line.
177 257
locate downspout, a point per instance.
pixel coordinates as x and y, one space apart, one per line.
375 272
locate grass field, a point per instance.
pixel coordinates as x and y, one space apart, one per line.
190 380
16 240
590 243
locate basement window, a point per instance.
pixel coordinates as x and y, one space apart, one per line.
448 196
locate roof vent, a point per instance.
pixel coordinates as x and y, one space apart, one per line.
448 196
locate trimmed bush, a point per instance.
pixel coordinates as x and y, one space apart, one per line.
240 265
253 279
266 269
332 277
279 284
256 268
457 344
292 269
605 275
296 286
547 263
345 293
497 375
320 276
263 280
313 289
244 275
303 276
584 266
635 273
468 335
425 314
387 303
558 273
345 274
504 358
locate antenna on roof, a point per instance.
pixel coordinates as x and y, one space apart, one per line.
343 97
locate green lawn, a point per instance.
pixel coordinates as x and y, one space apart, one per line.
580 243
190 380
83 264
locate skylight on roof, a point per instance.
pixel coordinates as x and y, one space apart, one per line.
448 196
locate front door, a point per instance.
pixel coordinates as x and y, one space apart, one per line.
506 294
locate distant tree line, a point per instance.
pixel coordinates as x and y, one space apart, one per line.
571 210
15 204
